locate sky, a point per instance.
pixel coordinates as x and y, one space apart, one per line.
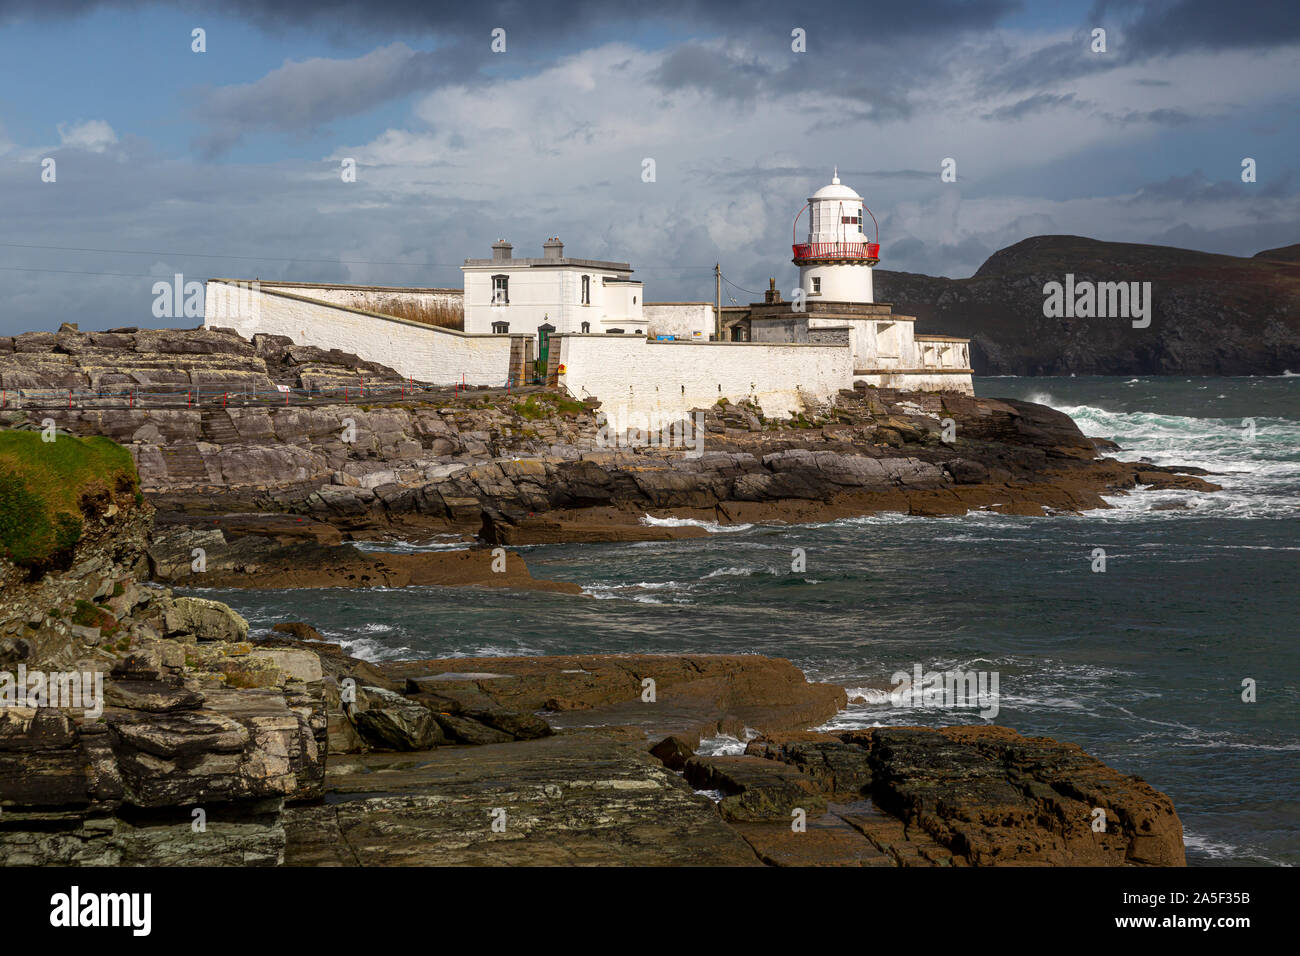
229 161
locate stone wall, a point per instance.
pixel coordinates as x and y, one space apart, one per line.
423 352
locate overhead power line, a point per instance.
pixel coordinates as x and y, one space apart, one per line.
744 290
212 255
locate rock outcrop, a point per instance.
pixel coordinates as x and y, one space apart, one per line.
964 796
262 561
142 728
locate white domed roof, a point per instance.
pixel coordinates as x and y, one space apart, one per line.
835 190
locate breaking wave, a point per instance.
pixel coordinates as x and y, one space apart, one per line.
1257 461
712 527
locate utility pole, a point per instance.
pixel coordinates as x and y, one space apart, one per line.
717 302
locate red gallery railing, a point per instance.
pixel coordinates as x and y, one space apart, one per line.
836 250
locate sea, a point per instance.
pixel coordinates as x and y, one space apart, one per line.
1159 634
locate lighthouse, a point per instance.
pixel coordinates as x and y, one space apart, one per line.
836 260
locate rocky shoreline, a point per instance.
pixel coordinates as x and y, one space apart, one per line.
279 486
215 746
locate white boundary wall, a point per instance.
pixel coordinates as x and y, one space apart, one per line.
919 380
357 297
423 352
653 384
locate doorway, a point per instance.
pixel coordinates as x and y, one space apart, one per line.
543 352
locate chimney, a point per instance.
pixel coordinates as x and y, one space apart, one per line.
773 294
501 249
552 248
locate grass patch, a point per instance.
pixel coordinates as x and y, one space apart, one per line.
46 488
568 406
531 409
91 615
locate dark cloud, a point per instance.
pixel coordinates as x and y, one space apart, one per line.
724 74
300 97
1160 117
1161 27
1138 31
1038 103
1045 102
568 19
878 78
1195 188
1050 66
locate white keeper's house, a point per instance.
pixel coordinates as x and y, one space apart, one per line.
504 294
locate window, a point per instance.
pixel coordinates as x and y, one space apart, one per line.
586 290
816 285
500 290
613 331
634 300
501 328
586 326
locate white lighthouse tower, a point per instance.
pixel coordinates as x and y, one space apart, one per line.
835 263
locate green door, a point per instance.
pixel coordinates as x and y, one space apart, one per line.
543 351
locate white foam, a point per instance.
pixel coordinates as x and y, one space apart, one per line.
1258 475
867 696
438 543
725 745
713 527
737 572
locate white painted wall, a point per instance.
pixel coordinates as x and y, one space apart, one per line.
624 308
923 381
423 352
840 282
660 382
687 320
943 352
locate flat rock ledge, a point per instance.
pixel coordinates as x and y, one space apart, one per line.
952 796
613 779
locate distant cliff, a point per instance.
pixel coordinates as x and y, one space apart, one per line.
1213 314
